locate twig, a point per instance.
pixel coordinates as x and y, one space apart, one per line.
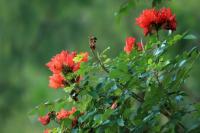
92 42
100 62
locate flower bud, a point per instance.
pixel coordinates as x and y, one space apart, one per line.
44 119
114 105
92 42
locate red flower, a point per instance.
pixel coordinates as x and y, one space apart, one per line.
151 20
147 20
130 41
72 111
65 59
166 19
62 64
56 81
44 119
62 59
63 114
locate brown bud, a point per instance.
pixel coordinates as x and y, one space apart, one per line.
92 42
52 114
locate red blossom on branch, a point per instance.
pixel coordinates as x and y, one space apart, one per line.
62 64
166 19
130 44
57 62
63 114
63 59
152 20
73 110
44 119
56 81
130 41
147 19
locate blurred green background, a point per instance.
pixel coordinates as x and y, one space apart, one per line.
32 31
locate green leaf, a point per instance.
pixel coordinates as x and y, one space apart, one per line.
161 49
106 122
107 114
153 97
104 51
67 123
56 130
190 37
77 113
86 116
98 119
175 39
120 122
150 61
94 94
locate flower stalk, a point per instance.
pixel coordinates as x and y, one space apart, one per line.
92 42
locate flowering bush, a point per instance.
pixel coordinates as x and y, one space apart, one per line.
139 91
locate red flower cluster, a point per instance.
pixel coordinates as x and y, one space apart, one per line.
151 20
130 43
62 64
44 119
63 114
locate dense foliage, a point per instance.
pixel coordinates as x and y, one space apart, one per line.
140 90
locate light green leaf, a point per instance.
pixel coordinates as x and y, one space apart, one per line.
190 37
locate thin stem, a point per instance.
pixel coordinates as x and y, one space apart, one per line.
157 79
100 62
137 97
92 42
134 95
